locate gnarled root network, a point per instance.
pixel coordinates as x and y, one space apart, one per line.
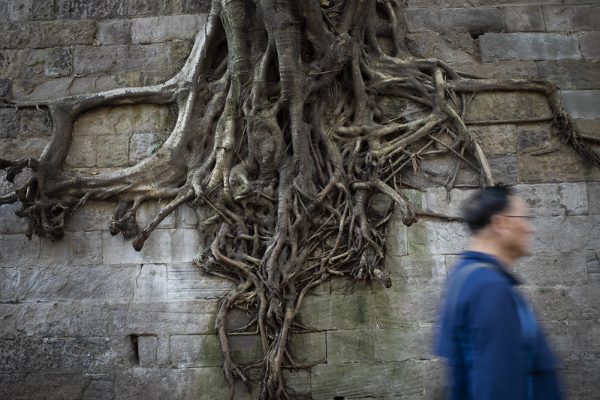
282 139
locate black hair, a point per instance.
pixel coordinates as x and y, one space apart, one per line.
479 209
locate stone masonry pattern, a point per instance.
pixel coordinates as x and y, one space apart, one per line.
89 318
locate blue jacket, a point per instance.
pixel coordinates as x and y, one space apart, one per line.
489 335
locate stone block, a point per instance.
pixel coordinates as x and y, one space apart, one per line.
18 35
186 281
114 32
112 150
523 19
77 283
473 20
433 237
76 248
337 311
572 18
9 123
584 104
552 268
454 47
593 189
99 387
528 46
119 58
124 120
5 87
309 348
189 351
507 106
183 384
435 170
169 318
500 69
567 233
297 383
71 354
91 9
15 10
143 8
34 123
408 303
93 84
496 139
555 199
355 346
166 28
46 90
10 223
9 278
142 145
186 217
14 149
570 74
417 270
151 284
564 303
533 138
504 169
195 7
404 343
439 201
396 238
589 43
147 348
562 165
82 152
368 380
43 386
94 216
18 251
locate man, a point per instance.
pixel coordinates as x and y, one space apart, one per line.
488 332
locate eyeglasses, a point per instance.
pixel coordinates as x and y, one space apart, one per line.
519 216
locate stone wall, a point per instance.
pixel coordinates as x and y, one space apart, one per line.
89 318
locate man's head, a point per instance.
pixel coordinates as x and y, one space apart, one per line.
498 216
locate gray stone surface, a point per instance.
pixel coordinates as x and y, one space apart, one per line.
162 29
528 46
589 43
474 20
523 19
46 34
571 74
141 145
8 123
569 18
556 199
583 104
114 32
451 47
593 189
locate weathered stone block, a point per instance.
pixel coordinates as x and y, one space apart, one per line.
403 343
474 20
82 152
8 123
504 69
564 303
563 165
77 283
351 346
14 149
507 106
94 216
162 29
417 270
567 233
18 35
112 150
186 281
555 199
93 84
43 385
570 74
552 268
572 18
18 251
583 104
34 123
124 120
594 197
589 43
366 380
147 346
528 46
5 87
151 284
496 139
396 238
9 278
409 303
9 221
142 145
309 348
435 170
439 201
523 19
186 217
434 237
143 8
504 169
114 32
76 248
452 47
46 90
99 387
338 311
205 351
91 9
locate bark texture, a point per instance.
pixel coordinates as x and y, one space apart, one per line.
281 141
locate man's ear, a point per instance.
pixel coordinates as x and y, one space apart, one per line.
497 223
